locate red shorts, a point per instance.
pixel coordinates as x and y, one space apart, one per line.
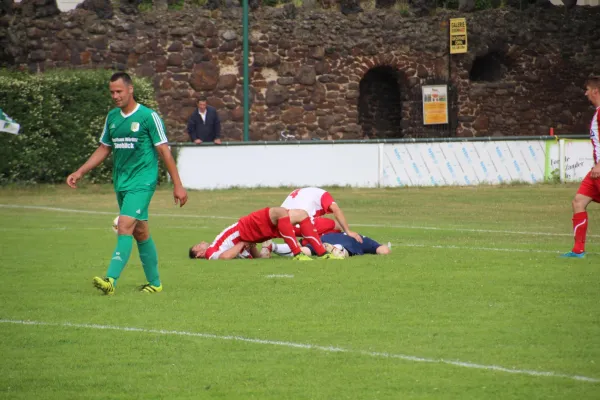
322 225
257 227
590 187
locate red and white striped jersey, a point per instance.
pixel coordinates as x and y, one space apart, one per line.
595 135
225 240
314 201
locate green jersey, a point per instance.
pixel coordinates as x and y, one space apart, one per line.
133 138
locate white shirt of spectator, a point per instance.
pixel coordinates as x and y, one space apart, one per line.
203 115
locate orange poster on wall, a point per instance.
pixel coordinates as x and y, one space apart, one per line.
435 104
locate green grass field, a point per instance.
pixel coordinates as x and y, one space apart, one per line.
473 303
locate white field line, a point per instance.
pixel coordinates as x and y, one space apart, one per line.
328 349
431 228
279 276
114 213
72 228
477 248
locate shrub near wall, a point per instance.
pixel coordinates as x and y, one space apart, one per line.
62 115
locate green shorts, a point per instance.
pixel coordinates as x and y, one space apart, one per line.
135 203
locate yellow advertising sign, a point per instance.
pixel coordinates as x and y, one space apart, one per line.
435 104
458 35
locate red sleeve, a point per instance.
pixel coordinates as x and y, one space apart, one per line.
326 202
209 252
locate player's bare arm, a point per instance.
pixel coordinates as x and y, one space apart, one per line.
232 252
179 193
95 159
341 219
254 252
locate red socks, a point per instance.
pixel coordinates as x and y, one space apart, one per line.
286 231
580 224
310 234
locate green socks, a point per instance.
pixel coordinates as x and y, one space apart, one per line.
120 256
148 256
149 259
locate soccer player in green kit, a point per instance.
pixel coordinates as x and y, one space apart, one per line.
136 135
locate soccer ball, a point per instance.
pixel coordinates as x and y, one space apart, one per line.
336 249
115 224
340 251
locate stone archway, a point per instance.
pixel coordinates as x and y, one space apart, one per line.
380 103
491 67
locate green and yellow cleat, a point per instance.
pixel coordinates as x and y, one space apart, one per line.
105 285
148 288
329 256
335 253
301 257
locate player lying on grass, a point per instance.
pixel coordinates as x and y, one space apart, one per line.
331 234
345 245
239 240
318 202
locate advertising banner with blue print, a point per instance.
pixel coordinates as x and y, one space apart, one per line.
463 163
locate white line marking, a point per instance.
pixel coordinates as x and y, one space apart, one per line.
477 248
433 228
430 228
484 248
279 276
72 210
329 349
74 228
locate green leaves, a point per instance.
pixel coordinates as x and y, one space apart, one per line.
62 114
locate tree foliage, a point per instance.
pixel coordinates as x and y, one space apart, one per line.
62 115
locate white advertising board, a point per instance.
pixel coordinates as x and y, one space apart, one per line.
463 163
214 167
578 159
382 164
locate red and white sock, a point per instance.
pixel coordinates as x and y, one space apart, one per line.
312 237
580 224
286 231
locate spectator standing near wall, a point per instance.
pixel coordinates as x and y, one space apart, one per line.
204 124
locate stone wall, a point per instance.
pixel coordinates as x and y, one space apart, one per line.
329 76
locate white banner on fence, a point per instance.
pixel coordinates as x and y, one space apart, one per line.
463 163
214 167
578 159
379 164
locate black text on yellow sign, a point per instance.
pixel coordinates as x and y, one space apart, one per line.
458 35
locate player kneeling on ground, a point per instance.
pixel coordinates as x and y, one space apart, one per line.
239 240
317 202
